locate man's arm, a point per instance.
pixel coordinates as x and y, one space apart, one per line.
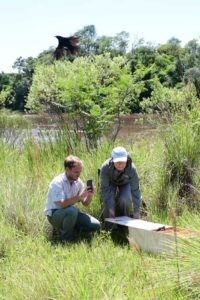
56 193
107 194
68 202
135 189
84 197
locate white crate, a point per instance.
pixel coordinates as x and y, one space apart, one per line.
152 237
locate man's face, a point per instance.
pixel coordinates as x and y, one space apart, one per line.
120 165
74 173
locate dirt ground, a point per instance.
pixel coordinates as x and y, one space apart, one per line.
181 232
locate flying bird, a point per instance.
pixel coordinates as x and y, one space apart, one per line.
66 45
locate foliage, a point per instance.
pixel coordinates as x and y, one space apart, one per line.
149 67
6 88
14 87
25 66
192 57
92 91
46 57
91 44
5 95
168 100
170 63
177 55
181 161
121 42
142 55
38 272
193 76
87 37
104 44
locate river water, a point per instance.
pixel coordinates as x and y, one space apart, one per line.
45 127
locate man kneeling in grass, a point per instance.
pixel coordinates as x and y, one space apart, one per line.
65 190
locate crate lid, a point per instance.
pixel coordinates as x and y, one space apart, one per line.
137 223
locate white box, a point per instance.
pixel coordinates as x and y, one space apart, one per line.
152 237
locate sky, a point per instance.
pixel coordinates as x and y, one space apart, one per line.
28 27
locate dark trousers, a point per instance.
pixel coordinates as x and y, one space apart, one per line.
122 199
70 221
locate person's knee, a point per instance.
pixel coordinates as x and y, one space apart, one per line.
107 212
71 212
125 207
125 202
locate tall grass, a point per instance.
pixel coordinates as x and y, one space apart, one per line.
181 155
33 268
188 275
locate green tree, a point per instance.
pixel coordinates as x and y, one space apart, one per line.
176 54
121 41
87 37
192 55
46 57
92 91
192 75
141 55
25 66
104 44
170 100
20 83
6 88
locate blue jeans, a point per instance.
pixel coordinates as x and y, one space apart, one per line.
122 199
72 222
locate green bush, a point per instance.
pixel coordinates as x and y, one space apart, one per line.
93 91
170 100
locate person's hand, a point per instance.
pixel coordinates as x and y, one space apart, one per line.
83 195
93 190
90 193
86 196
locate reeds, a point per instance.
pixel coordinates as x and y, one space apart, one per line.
32 268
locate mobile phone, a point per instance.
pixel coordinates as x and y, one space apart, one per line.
90 185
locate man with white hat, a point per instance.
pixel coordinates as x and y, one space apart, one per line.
119 186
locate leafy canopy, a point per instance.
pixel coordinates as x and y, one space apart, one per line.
93 91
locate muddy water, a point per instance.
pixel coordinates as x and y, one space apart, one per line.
135 126
131 126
